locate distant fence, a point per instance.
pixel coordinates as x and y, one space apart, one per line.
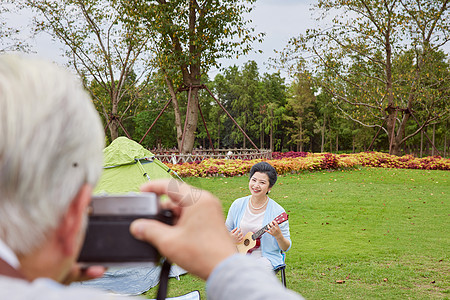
173 157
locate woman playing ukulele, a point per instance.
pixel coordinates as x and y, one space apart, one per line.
253 212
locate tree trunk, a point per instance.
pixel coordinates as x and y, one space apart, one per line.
322 147
114 129
445 143
337 142
421 143
271 139
353 144
114 122
261 136
190 122
391 109
271 130
331 145
300 134
396 139
434 144
176 109
245 129
218 131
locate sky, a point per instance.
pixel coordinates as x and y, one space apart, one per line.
279 19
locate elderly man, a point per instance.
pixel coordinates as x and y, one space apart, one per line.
51 142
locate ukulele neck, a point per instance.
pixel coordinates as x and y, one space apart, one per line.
260 232
279 219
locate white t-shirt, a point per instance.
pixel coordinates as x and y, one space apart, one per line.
251 223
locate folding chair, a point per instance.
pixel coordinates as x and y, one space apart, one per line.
282 269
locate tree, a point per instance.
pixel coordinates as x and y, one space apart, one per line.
226 87
248 101
273 96
357 58
104 46
191 36
9 35
432 95
299 107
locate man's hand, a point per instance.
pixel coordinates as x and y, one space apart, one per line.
199 240
78 273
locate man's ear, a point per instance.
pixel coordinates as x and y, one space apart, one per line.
72 222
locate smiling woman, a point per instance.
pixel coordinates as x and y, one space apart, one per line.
251 216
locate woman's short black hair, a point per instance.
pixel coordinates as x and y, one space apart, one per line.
264 167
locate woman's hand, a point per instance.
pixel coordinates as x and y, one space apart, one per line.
237 236
275 231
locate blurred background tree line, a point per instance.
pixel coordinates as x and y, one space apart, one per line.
376 76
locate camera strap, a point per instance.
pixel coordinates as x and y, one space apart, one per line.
163 280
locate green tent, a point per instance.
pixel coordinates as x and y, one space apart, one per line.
127 165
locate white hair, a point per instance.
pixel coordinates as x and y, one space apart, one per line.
51 142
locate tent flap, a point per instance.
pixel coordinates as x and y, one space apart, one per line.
128 165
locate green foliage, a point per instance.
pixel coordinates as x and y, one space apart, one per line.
107 49
299 110
190 38
324 126
100 40
162 135
247 102
374 59
274 96
256 102
190 33
381 62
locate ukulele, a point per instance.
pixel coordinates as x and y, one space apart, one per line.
252 240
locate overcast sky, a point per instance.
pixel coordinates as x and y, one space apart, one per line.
279 19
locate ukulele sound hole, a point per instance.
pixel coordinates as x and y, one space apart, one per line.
246 242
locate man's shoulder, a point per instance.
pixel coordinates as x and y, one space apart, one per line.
47 289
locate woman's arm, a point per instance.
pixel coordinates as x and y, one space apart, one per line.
230 221
275 231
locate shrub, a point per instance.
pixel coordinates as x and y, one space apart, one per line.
295 162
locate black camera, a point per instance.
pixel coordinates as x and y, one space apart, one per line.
108 240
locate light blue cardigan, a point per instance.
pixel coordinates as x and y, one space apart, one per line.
269 245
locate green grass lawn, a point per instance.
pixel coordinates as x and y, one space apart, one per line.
384 232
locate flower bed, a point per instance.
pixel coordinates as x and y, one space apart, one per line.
295 162
384 160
